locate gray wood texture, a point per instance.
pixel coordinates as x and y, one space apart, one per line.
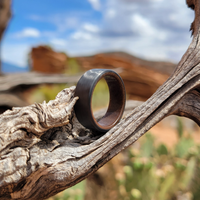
11 82
13 86
44 150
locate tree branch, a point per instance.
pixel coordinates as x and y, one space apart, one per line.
12 86
5 14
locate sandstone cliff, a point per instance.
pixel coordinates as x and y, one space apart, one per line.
45 60
141 77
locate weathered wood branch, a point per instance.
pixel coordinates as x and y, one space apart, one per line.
12 86
10 82
44 150
39 138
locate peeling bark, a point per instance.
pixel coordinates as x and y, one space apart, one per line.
44 150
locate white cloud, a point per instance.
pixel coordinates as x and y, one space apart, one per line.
16 54
142 25
154 29
81 35
28 32
111 13
62 21
95 4
86 32
58 42
90 27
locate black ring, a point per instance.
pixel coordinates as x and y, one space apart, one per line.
84 91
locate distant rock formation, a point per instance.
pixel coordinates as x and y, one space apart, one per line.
45 60
141 77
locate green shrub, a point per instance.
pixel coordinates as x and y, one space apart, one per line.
74 193
157 172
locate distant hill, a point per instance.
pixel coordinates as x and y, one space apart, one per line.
141 77
11 68
120 59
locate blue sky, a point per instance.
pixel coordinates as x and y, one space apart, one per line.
151 29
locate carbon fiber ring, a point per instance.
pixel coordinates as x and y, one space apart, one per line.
84 90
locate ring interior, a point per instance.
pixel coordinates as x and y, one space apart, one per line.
116 102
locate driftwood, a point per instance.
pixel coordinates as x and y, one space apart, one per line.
13 86
44 150
11 82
